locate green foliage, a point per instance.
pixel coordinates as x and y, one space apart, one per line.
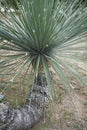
85 103
85 119
44 34
11 3
78 127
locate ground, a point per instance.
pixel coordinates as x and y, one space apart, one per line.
65 111
71 114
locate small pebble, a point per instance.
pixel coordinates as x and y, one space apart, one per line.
1 96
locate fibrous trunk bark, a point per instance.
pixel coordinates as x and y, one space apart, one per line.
28 114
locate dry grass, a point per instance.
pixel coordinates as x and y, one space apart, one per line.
65 112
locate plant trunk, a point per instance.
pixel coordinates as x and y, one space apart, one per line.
30 113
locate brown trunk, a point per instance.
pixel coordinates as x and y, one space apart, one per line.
30 113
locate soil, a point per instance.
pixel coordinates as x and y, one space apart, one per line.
68 111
